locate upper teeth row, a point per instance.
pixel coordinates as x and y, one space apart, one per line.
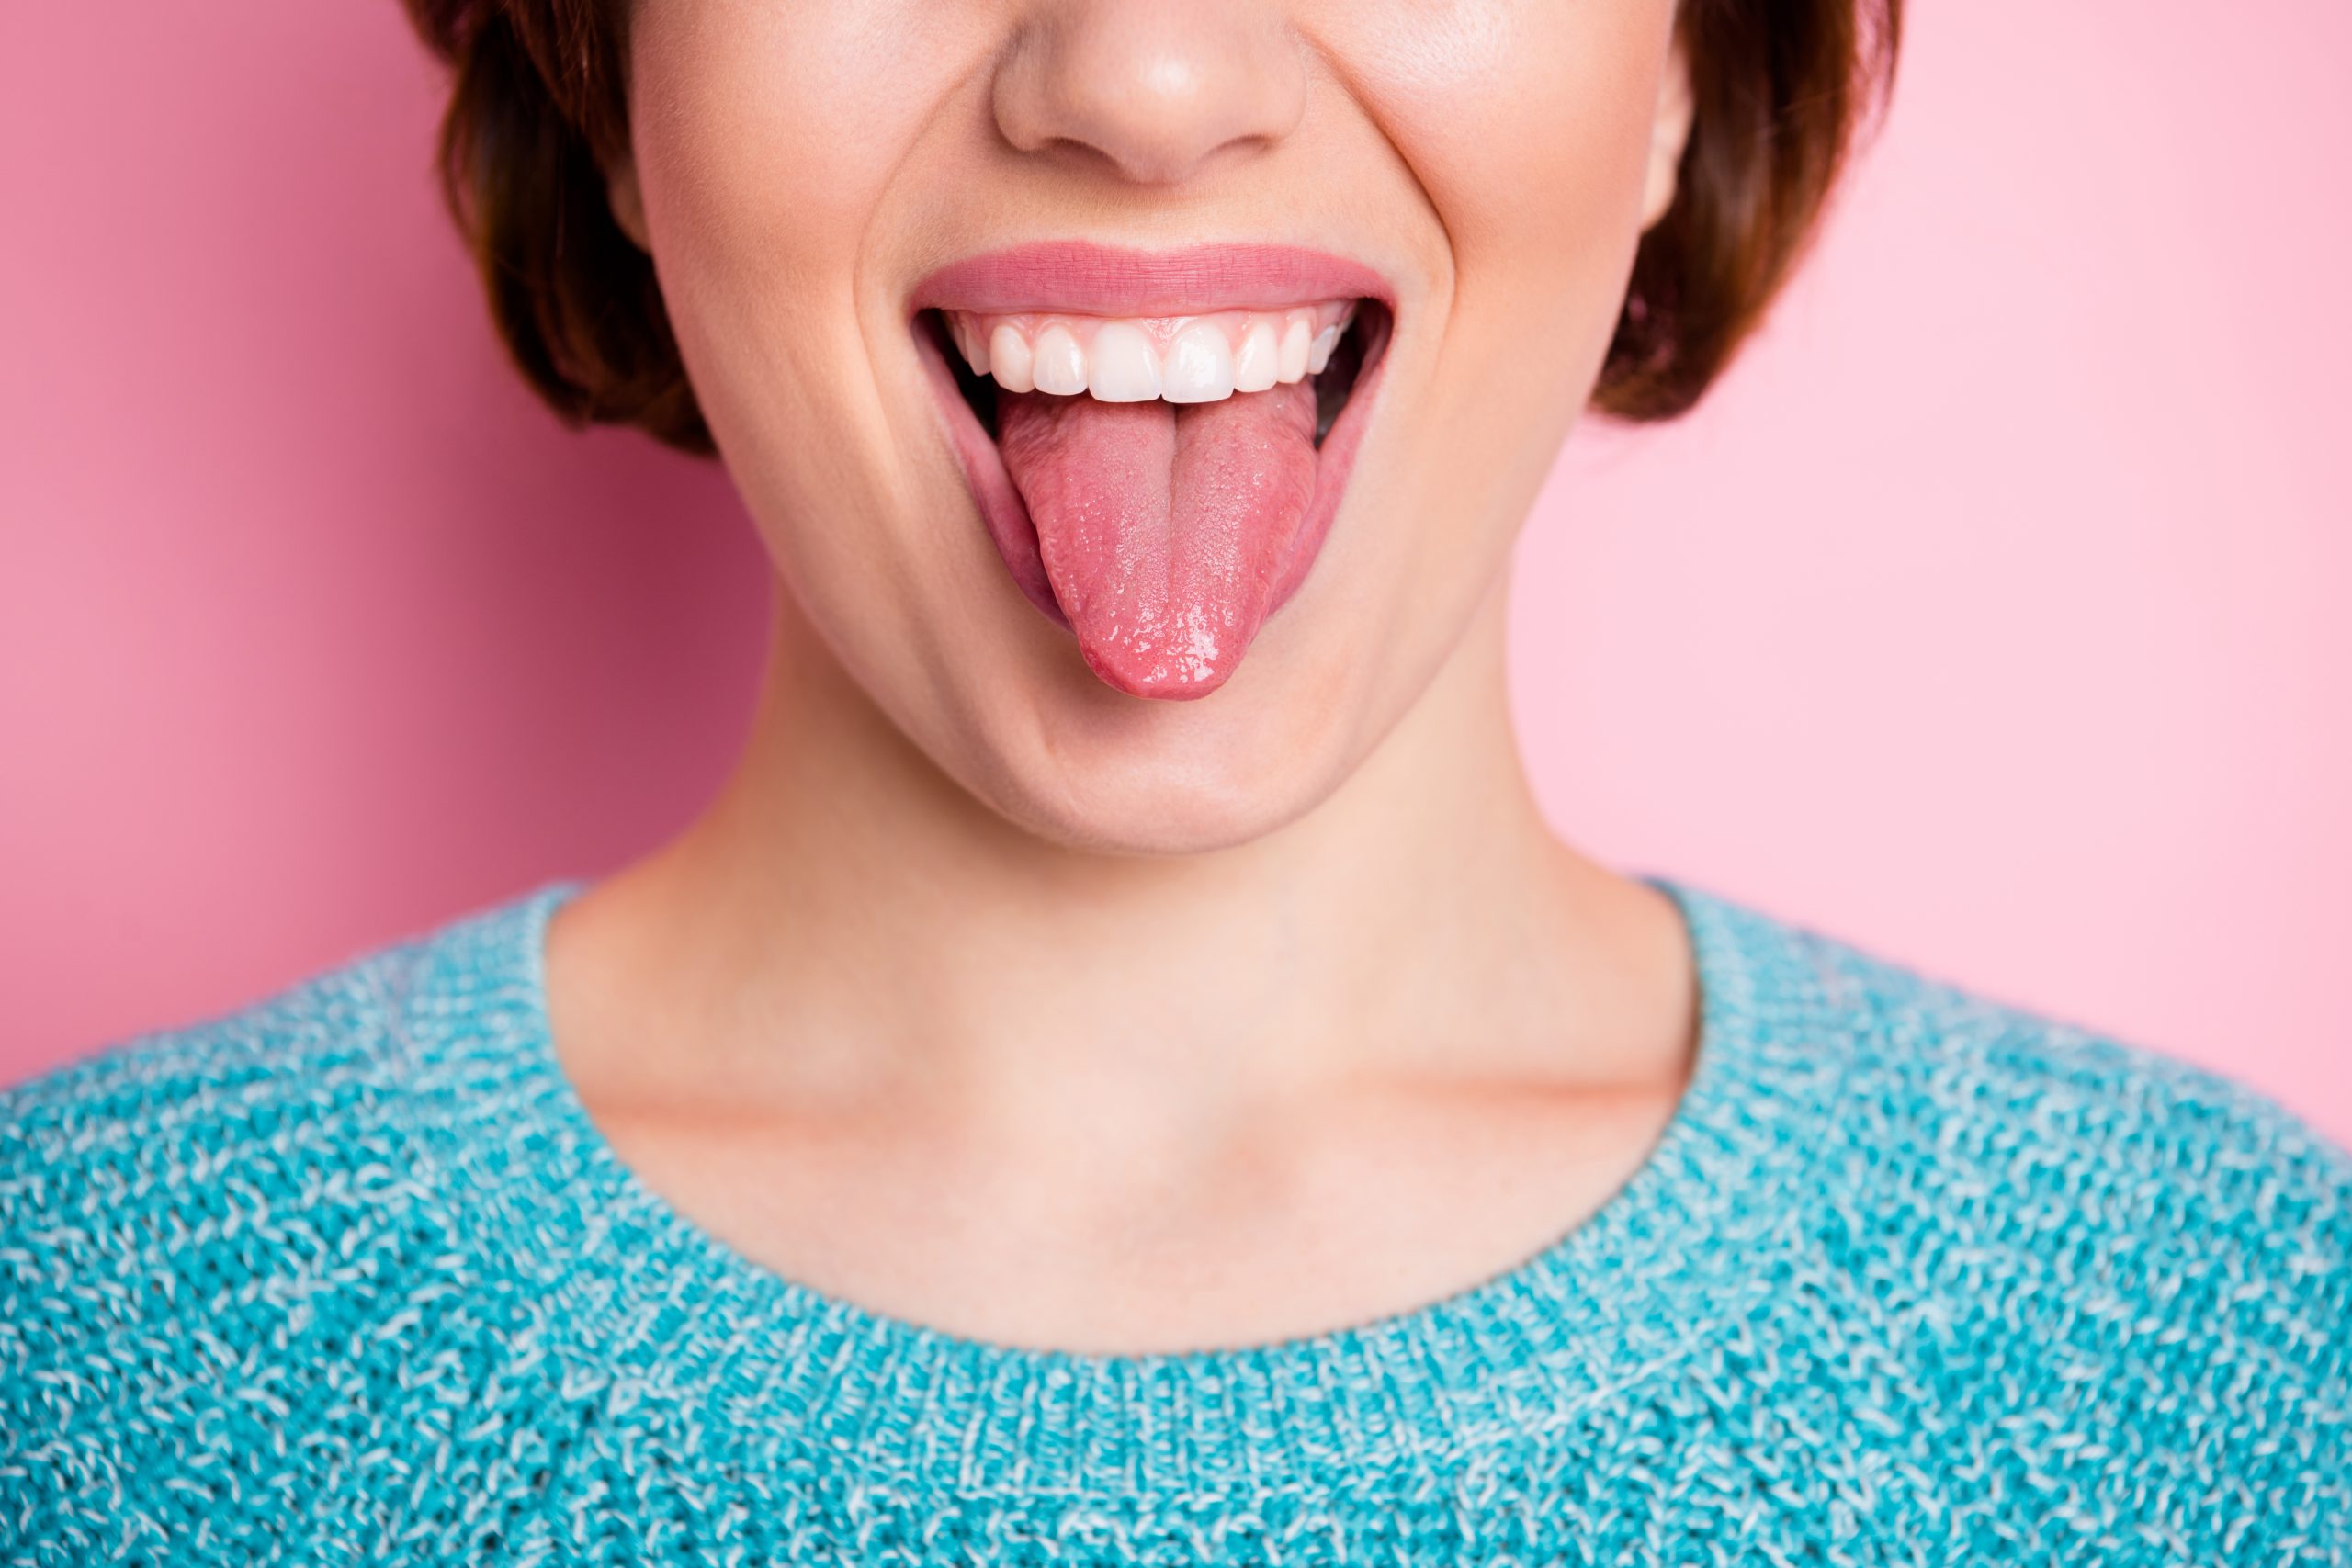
1134 359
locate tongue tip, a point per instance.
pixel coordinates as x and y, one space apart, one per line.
1152 675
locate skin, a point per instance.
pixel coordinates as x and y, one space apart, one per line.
985 996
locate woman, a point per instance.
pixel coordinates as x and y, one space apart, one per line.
1123 1073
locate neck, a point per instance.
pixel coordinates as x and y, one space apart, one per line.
845 919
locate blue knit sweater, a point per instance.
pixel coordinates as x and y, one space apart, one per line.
349 1277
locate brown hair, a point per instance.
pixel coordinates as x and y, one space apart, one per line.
538 110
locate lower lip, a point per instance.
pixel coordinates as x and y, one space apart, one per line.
1007 516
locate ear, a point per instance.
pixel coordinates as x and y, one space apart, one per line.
627 203
1669 131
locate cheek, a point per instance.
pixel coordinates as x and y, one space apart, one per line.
1526 122
1528 126
759 197
742 115
760 207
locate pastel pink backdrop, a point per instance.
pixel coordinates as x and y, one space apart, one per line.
1987 615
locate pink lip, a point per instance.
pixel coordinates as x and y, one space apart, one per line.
1079 275
1106 280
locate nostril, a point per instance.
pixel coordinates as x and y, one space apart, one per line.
1151 93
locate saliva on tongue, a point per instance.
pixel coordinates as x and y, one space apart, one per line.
1164 527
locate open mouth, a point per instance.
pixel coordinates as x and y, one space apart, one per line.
1332 375
1157 480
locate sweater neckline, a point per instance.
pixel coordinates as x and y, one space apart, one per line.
633 1284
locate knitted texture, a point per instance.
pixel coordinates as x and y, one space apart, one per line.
1911 1275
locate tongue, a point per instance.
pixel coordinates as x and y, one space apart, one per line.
1163 527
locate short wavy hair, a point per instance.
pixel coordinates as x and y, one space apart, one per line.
538 109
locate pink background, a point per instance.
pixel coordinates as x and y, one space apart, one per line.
1986 615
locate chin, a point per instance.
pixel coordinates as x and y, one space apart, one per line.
1095 770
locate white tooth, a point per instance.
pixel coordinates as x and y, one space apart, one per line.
1257 365
975 349
1319 353
1009 352
1200 366
1121 366
1058 363
961 330
1289 364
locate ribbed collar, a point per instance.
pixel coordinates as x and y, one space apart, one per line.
621 1280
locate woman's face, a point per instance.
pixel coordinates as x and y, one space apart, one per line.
1125 621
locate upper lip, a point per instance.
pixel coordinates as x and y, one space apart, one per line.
1083 276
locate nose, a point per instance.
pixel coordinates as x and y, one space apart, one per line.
1153 92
